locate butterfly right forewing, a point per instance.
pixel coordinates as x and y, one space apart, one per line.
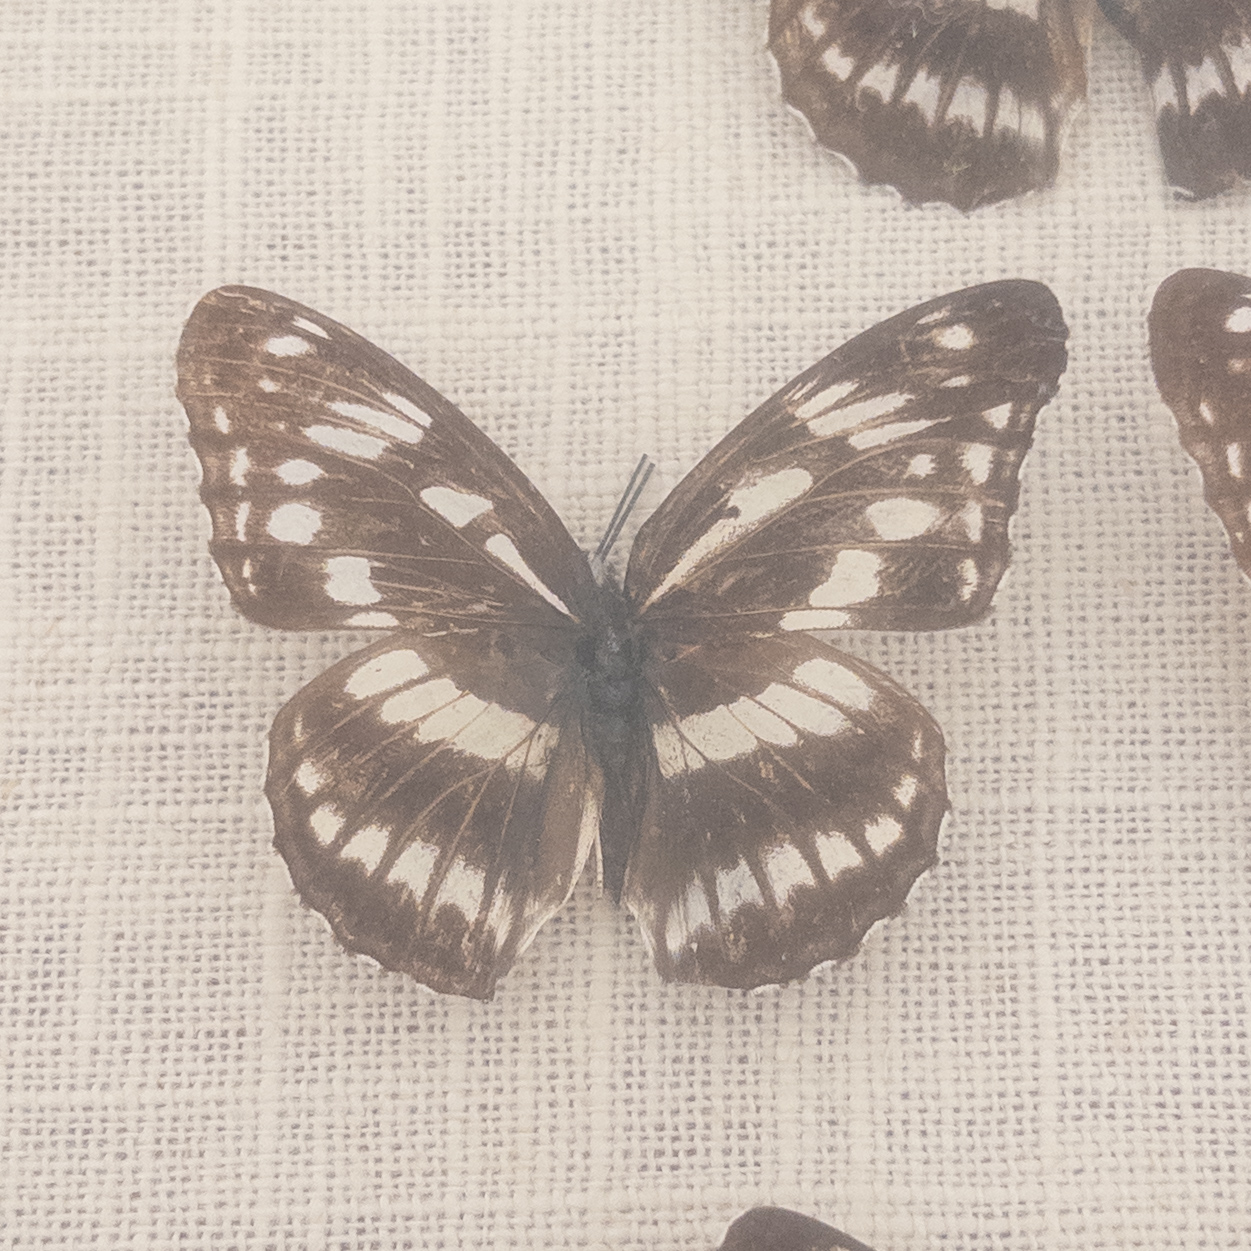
1200 333
778 1229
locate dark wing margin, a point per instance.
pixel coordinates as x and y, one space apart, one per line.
963 101
1200 334
797 795
778 1229
344 491
1196 55
433 800
872 492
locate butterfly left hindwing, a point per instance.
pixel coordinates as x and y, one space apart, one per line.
758 799
778 1229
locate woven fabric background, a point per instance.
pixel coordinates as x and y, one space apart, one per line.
596 228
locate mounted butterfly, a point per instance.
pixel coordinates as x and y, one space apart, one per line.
1200 332
756 798
968 100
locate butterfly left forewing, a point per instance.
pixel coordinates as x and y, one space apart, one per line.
797 795
874 491
1196 55
1200 332
345 491
433 800
778 1229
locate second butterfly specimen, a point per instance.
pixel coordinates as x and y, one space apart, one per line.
756 798
968 100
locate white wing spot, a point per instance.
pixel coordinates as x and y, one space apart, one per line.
906 790
497 733
368 846
969 579
1239 63
902 518
882 79
813 619
418 701
1233 457
287 345
787 871
836 64
835 680
803 710
737 888
820 402
385 673
857 414
413 867
408 408
1203 81
462 887
689 915
239 466
450 720
1205 411
999 416
971 519
386 423
372 620
309 778
921 466
768 727
854 579
960 380
268 385
325 822
978 458
505 551
925 91
812 21
877 435
298 472
882 835
837 854
349 442
955 338
294 523
241 521
303 323
457 507
220 420
717 734
968 104
1239 321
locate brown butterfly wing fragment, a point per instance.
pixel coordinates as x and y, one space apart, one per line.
777 1229
1200 333
1196 55
958 100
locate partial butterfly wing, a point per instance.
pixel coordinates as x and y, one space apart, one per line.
797 794
425 798
1196 55
959 100
344 491
777 1229
1200 332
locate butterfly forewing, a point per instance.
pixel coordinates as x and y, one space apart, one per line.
1196 55
344 491
1200 330
961 100
798 795
777 1229
433 800
874 491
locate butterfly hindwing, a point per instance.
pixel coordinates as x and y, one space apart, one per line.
1200 332
344 491
798 796
964 101
430 797
874 491
777 1229
1196 55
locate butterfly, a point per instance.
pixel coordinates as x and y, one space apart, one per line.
778 1229
756 798
1200 335
968 101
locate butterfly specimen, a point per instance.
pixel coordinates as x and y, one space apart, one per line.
754 797
1200 332
968 100
777 1229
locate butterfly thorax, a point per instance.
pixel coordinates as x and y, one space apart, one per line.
611 656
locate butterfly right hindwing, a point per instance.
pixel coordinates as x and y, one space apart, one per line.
1200 332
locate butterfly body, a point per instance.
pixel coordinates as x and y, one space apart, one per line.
756 798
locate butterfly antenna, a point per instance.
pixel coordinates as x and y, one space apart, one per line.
625 506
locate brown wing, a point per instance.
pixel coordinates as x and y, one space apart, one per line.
777 1229
962 100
